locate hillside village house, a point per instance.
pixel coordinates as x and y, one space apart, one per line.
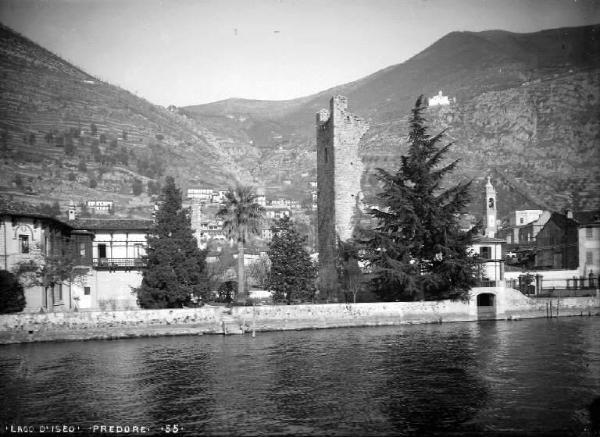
108 250
556 243
523 226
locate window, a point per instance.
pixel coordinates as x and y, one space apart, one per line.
102 251
485 252
82 250
589 233
24 243
589 257
521 220
325 155
86 291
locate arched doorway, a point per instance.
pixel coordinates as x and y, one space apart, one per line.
486 306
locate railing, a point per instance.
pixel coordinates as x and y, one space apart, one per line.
486 283
118 263
536 286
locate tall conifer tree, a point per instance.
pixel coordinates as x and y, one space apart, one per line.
174 263
417 250
292 272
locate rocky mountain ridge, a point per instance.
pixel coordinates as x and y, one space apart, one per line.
524 107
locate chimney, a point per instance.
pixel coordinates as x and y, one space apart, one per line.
71 211
569 213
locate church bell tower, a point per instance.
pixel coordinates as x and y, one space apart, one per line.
490 209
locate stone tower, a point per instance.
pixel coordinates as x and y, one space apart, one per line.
339 170
490 209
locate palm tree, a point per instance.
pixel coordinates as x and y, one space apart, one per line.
241 217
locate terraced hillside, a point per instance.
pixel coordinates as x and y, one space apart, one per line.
66 135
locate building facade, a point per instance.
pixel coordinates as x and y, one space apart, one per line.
104 255
556 243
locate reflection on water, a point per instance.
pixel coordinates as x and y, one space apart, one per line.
534 377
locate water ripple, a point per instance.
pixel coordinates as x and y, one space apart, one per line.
529 377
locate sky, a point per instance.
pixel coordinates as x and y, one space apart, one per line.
187 52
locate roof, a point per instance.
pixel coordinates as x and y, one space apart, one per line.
26 210
112 224
584 218
485 239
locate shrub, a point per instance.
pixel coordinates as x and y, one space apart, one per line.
93 183
137 187
12 297
226 291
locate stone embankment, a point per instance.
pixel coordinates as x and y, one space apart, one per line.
508 304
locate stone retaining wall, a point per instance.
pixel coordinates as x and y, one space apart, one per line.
286 317
87 325
84 325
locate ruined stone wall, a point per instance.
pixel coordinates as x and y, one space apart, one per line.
339 171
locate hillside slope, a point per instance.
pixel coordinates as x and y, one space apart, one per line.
66 135
526 107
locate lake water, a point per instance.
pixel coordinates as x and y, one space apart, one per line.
533 377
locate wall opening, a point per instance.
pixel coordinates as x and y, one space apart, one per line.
486 306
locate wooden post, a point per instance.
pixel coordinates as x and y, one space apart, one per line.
253 320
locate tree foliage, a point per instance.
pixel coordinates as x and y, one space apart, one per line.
350 276
242 217
174 263
292 271
12 296
58 264
417 250
137 187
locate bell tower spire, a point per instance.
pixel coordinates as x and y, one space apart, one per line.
490 209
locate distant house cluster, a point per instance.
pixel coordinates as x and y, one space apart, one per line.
205 203
566 244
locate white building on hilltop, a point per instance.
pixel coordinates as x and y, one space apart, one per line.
439 100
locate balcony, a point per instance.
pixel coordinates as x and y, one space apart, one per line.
114 264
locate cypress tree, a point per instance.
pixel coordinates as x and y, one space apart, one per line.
292 272
174 263
417 251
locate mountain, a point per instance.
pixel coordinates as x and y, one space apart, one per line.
525 109
66 135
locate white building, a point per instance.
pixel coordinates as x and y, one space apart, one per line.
100 206
523 217
439 100
490 252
